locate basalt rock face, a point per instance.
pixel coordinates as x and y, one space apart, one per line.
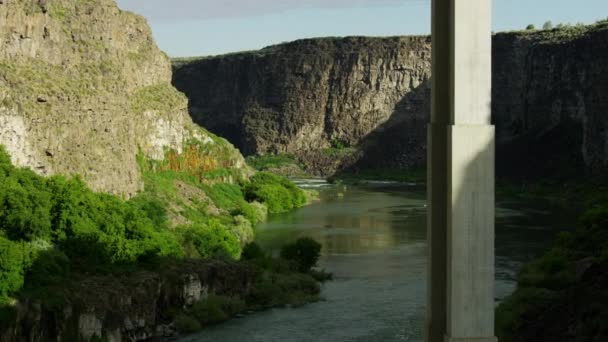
84 89
549 103
301 97
137 307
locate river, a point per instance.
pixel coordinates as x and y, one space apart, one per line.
374 241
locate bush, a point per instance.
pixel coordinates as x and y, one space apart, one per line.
49 267
305 252
211 240
278 193
548 25
25 205
530 27
255 212
242 229
12 268
187 324
153 208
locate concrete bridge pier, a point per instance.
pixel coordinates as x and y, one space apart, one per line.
461 175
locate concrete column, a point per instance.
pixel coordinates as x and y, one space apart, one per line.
461 175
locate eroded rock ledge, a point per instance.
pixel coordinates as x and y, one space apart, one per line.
138 307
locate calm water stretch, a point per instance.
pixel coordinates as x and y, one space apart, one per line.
374 241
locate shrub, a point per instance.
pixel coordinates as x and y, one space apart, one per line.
187 324
551 271
255 212
153 208
50 266
548 25
530 27
278 193
12 264
25 205
242 229
211 240
305 252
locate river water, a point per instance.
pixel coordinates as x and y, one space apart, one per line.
374 241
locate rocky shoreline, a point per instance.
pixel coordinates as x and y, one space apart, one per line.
138 307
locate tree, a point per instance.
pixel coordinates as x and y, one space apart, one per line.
530 27
548 25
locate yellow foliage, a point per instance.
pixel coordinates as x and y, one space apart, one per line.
192 160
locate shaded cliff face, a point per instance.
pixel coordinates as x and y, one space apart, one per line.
84 89
549 101
373 93
303 96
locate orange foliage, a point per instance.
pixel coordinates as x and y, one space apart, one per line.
192 161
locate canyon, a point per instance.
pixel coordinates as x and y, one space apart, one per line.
371 98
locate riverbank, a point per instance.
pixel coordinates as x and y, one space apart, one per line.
562 294
81 265
181 297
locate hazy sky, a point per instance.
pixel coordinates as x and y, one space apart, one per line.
208 27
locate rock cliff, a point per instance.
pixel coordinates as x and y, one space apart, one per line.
84 89
549 102
137 307
308 96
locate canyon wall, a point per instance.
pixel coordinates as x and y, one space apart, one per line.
306 96
373 95
84 90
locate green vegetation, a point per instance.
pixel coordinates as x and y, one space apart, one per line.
548 25
216 309
52 225
553 282
278 193
210 241
278 282
338 149
279 164
162 97
271 161
55 228
530 27
282 281
305 252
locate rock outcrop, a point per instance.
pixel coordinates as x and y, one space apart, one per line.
84 89
303 97
373 94
549 102
138 307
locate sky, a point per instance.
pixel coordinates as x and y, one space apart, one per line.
211 27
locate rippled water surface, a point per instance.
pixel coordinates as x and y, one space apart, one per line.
374 241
